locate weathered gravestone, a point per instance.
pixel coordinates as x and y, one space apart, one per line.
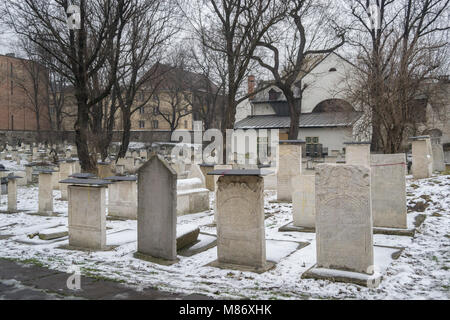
241 240
290 167
157 210
388 190
344 218
357 153
422 157
66 169
304 202
438 156
87 213
45 193
122 197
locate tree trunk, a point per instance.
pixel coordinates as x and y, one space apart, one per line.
126 121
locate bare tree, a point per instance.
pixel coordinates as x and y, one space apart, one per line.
400 45
302 50
83 52
34 83
145 40
233 29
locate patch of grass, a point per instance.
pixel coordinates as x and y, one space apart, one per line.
414 186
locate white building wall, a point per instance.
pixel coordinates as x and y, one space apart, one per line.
323 84
331 138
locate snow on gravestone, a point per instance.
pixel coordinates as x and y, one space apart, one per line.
157 209
388 190
343 218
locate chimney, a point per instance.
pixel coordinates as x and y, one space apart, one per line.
251 86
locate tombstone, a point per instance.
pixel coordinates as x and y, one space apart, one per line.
344 218
29 172
208 178
216 177
241 240
55 179
12 193
422 159
87 213
196 172
65 170
120 169
122 197
304 202
104 170
192 196
157 210
388 190
357 153
45 192
438 156
290 167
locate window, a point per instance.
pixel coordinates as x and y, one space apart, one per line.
12 74
155 124
141 124
273 95
332 70
155 111
185 124
141 110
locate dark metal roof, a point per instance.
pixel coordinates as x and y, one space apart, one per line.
242 172
307 120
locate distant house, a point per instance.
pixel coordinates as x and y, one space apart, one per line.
327 120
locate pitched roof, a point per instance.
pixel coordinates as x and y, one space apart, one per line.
307 120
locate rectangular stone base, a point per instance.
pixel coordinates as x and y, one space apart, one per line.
371 281
204 242
408 232
160 261
228 266
291 228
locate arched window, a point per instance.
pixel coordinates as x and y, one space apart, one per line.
332 70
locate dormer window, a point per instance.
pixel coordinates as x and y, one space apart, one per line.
332 70
273 95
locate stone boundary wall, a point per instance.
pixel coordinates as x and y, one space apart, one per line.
13 137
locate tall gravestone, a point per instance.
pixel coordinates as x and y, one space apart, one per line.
304 201
438 155
357 153
388 187
157 210
290 167
122 197
344 218
45 192
422 157
240 221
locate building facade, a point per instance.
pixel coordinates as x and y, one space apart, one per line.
23 95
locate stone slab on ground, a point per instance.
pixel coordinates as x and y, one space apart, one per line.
289 227
54 233
186 235
204 242
383 257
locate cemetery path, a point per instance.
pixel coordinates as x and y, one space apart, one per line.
20 281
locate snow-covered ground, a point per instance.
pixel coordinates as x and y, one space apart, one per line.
421 272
